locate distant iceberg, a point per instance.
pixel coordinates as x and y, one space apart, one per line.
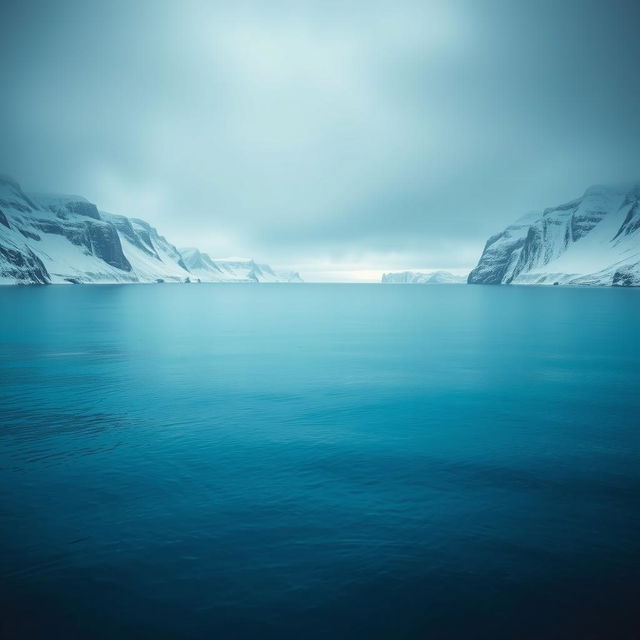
419 277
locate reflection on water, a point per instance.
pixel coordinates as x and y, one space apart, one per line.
345 461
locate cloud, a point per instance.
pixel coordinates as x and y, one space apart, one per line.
370 134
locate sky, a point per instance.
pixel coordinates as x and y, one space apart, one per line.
339 139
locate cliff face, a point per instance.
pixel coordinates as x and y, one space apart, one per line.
48 239
592 240
22 266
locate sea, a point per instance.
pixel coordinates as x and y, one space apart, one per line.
319 461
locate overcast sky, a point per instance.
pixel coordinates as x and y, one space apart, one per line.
338 138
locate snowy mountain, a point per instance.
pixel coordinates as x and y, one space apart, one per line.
593 240
289 276
232 269
418 277
58 238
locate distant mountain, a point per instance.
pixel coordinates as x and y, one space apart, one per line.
232 269
418 277
593 240
289 276
48 239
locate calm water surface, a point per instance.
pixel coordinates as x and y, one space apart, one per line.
342 461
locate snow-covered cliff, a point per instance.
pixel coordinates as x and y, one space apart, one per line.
593 240
56 238
418 277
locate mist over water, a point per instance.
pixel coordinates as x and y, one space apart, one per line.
321 460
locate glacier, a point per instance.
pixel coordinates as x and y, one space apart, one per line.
55 239
419 277
592 240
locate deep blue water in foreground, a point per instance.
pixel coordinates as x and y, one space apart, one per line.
307 461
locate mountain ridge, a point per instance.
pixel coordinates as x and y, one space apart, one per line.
591 240
422 277
57 238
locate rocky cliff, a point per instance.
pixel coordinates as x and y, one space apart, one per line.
593 240
49 239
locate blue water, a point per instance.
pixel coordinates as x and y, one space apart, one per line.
341 461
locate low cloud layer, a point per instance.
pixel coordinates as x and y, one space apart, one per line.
333 137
